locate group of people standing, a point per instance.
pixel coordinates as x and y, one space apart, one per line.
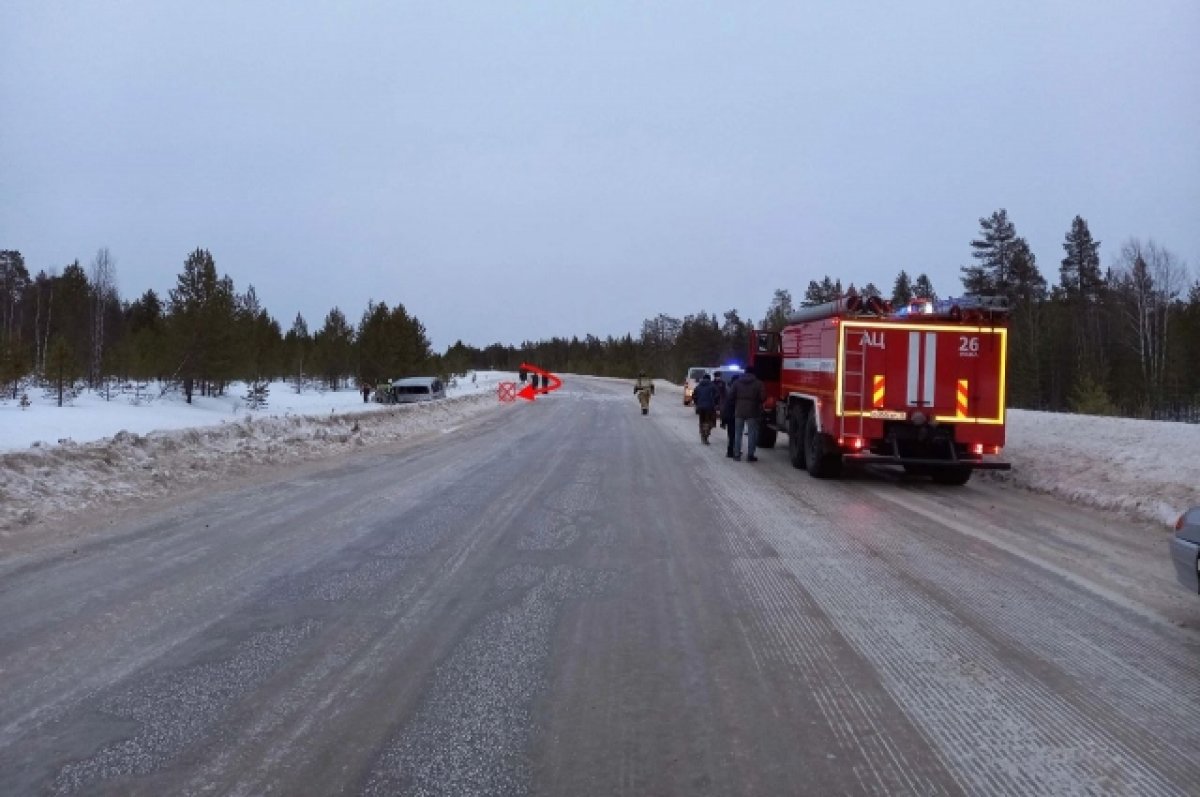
740 405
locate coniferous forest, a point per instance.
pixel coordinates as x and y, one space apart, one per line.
1121 338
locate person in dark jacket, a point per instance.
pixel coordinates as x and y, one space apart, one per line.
722 390
728 406
705 399
748 396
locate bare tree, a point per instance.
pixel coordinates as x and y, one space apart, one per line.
1149 279
104 287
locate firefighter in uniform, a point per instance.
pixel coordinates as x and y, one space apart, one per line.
644 388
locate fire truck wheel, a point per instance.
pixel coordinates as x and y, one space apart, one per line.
956 477
795 439
766 436
821 465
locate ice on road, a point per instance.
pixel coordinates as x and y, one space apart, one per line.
567 597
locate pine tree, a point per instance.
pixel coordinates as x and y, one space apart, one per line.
1081 288
333 349
902 292
659 335
827 290
62 368
194 305
374 349
14 283
258 338
72 310
699 339
1089 397
223 358
391 343
1079 273
1025 281
736 336
458 358
1026 291
778 313
12 367
145 347
991 274
1186 353
412 350
297 345
923 287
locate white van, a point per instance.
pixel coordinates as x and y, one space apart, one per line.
417 388
694 375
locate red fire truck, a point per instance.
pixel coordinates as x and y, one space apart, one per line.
855 381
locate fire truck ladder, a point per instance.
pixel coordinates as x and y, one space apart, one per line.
854 372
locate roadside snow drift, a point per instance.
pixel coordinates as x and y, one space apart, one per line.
1149 469
46 481
90 416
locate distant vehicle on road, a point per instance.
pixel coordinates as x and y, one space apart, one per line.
694 375
1185 549
728 373
416 388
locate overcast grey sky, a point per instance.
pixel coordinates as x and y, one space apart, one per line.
514 171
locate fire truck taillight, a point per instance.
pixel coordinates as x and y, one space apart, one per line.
977 449
855 443
991 450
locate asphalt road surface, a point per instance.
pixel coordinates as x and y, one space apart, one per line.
569 598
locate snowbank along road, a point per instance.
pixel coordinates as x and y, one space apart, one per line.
570 598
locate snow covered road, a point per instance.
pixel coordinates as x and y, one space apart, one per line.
570 598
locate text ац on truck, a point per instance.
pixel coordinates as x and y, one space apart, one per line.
855 381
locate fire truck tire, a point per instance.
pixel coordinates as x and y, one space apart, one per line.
766 436
956 477
795 438
820 464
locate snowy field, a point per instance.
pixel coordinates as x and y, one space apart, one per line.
95 452
90 417
102 453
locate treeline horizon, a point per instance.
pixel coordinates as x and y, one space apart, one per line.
1121 340
1118 340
